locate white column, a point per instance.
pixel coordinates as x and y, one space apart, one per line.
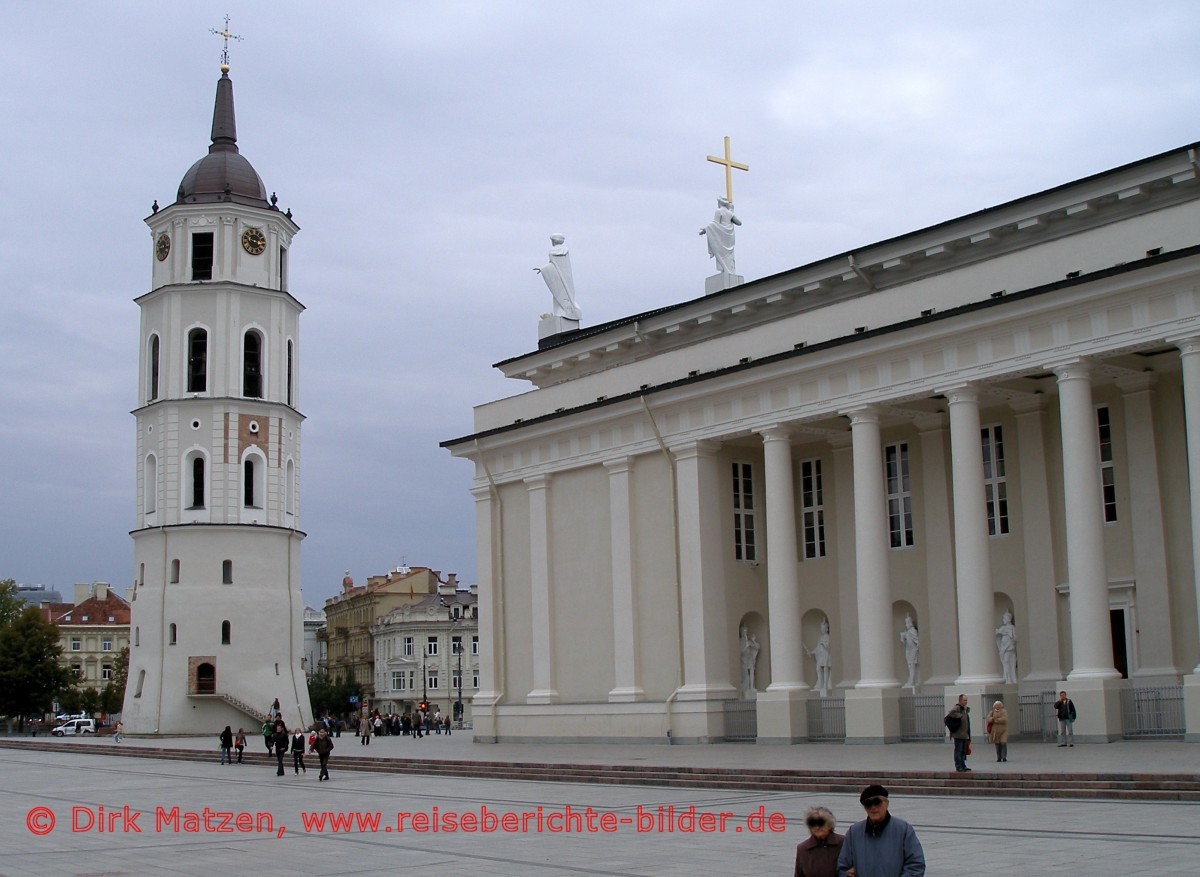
1091 635
624 586
844 658
1154 654
977 656
1037 536
783 575
939 629
542 608
491 618
871 554
1189 354
707 630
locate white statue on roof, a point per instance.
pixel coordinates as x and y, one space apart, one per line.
557 274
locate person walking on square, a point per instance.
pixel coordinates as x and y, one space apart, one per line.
882 845
298 743
239 743
280 741
364 731
1064 708
119 733
226 739
958 723
268 732
323 746
817 856
997 729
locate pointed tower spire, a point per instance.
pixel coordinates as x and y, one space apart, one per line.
224 126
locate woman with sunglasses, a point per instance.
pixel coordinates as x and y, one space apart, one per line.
818 855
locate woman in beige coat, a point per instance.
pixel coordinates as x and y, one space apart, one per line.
997 729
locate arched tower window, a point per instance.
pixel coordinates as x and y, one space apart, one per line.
290 487
225 633
197 381
202 255
197 474
252 372
172 634
289 374
248 483
175 571
137 635
150 485
152 370
227 572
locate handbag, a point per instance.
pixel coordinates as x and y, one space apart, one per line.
968 747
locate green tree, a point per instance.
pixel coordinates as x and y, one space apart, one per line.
330 695
10 604
31 673
120 672
111 699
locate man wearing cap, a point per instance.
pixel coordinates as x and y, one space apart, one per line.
882 845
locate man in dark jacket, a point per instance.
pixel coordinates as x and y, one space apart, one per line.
323 746
1064 708
958 723
280 740
882 845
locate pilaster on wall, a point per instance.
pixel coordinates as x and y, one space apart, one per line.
542 609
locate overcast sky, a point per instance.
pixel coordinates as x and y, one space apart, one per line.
429 149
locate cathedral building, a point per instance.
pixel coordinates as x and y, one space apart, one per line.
962 457
217 612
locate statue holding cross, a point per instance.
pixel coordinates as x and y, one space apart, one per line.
720 232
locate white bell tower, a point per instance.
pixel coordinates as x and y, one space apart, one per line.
217 611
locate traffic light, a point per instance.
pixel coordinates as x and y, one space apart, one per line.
423 706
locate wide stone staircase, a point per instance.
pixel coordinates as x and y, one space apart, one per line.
1108 786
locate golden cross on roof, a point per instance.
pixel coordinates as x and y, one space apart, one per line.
730 164
227 37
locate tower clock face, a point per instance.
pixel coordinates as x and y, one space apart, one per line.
254 241
162 246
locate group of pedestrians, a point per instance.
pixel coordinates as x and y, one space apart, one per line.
881 845
958 723
420 724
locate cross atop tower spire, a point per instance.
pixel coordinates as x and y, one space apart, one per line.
227 36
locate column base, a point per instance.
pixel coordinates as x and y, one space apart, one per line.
715 691
543 695
631 694
873 715
1191 708
1098 705
782 717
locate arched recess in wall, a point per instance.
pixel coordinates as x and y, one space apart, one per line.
289 486
153 349
810 639
196 367
902 609
756 645
254 480
195 490
150 485
254 359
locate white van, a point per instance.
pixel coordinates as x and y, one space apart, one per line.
75 726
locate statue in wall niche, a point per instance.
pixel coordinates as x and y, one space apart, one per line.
720 236
1006 645
912 651
820 654
557 274
750 650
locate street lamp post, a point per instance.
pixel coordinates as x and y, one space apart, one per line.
458 707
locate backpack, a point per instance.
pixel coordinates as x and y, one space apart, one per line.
953 722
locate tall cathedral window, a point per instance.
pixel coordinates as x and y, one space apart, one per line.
150 485
1108 475
197 381
226 633
252 365
899 495
152 369
812 509
197 482
744 547
995 484
289 373
248 482
202 255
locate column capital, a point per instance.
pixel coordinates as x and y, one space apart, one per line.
960 393
1138 382
1187 344
619 465
1034 403
538 482
865 414
483 493
701 448
775 433
934 422
1075 369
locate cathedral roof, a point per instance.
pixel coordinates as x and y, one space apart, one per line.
224 174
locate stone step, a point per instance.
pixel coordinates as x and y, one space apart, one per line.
1116 786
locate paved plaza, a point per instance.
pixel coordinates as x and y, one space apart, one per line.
182 817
